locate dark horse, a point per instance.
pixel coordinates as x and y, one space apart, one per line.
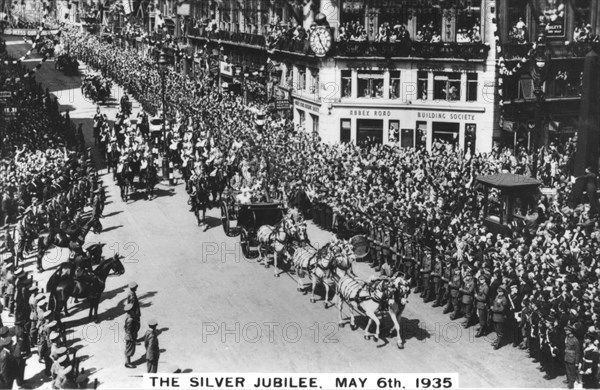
50 238
199 198
150 179
62 285
217 184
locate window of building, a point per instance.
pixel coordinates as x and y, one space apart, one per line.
446 86
423 79
395 84
429 22
468 25
525 89
583 17
345 131
313 86
407 139
394 131
421 135
370 84
472 87
315 123
346 83
517 29
301 79
301 119
470 138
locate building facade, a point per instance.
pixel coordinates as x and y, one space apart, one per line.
412 72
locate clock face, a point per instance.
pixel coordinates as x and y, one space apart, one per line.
320 41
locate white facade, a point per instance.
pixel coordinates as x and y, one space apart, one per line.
413 101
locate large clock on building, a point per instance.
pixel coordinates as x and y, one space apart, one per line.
320 41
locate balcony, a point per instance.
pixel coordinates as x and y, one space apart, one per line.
516 52
227 36
465 51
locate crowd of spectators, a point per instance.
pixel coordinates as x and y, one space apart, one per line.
43 162
422 208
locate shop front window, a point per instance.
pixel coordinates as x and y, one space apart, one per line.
345 131
301 119
446 86
370 84
394 131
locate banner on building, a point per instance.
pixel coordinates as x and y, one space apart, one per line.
554 13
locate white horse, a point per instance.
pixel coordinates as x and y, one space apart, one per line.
319 266
275 238
370 299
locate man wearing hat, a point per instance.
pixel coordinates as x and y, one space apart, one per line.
481 304
21 351
499 308
467 290
572 356
8 365
131 328
133 300
152 349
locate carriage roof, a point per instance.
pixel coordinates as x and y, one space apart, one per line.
254 215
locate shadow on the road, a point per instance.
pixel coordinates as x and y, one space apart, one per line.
112 228
412 329
159 192
38 380
66 107
212 222
112 214
113 293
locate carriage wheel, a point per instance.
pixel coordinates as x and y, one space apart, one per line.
225 219
245 244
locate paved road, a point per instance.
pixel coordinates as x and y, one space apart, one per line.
219 312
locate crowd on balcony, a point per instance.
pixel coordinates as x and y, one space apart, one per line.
584 33
518 33
287 32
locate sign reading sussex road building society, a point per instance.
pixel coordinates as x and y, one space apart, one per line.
451 116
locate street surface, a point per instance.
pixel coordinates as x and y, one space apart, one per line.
219 312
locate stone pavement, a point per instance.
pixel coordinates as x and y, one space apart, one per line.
219 312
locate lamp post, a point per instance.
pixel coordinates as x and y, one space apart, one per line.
162 66
538 74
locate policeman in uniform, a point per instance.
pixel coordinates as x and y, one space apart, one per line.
425 273
467 290
454 300
131 328
481 303
499 308
152 348
444 295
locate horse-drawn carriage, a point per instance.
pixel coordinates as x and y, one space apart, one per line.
249 218
96 87
67 64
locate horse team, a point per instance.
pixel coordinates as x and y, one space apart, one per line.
331 267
